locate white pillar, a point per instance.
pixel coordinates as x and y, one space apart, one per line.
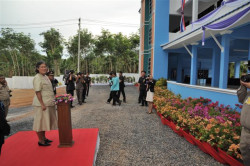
195 10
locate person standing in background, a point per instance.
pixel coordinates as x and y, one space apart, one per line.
244 98
110 84
84 83
71 85
150 93
142 89
115 88
4 126
121 87
79 87
54 81
4 94
88 83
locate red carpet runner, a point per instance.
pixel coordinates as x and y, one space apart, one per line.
21 149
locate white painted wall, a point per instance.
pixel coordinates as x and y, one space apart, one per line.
25 82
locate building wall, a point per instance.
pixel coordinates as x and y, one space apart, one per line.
161 35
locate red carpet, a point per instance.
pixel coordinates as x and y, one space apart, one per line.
21 149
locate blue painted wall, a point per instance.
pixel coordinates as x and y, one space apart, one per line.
161 36
186 92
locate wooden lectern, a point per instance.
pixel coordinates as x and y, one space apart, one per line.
64 125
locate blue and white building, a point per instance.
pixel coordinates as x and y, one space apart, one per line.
196 61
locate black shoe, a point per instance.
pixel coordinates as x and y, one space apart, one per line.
120 102
45 144
72 106
48 141
124 100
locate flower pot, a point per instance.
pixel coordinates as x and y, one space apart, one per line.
188 137
212 151
229 159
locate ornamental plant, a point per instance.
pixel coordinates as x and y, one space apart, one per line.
63 98
208 121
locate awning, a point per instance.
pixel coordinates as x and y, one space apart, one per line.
197 34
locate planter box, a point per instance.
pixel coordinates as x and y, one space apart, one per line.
188 137
213 152
229 159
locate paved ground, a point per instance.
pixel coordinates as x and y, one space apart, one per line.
129 136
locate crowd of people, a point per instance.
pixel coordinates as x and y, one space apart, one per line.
79 82
45 118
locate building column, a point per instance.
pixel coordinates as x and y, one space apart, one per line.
193 73
166 55
224 60
215 67
237 69
195 10
179 69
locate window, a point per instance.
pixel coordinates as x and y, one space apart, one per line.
150 6
150 36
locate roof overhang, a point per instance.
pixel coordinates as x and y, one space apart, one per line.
196 35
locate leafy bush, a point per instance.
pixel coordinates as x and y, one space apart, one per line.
161 82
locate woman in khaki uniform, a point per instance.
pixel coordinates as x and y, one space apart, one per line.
45 115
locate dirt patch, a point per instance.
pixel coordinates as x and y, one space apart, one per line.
24 97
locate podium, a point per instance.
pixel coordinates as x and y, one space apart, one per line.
64 125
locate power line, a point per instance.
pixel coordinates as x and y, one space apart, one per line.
39 23
106 23
42 26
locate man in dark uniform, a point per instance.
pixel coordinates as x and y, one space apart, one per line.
84 88
110 84
121 86
88 83
54 81
71 85
142 89
4 126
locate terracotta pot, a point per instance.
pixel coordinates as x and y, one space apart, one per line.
213 152
229 159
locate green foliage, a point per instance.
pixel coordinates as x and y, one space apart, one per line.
53 46
17 53
161 82
99 54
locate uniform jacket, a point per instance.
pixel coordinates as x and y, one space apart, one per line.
42 83
4 92
115 85
244 98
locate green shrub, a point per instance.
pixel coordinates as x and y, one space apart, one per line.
161 82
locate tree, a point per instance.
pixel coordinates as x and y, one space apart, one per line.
53 46
16 50
86 41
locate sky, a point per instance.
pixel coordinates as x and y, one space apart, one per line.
114 15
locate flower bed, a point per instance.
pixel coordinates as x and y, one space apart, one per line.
208 125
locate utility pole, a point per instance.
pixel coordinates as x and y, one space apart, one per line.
78 65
